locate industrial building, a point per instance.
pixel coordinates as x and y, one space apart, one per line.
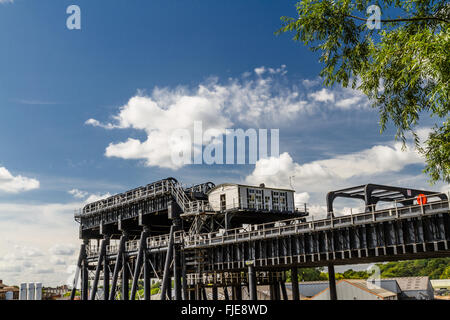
237 240
415 288
230 196
403 288
8 292
357 290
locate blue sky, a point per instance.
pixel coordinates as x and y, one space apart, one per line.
53 80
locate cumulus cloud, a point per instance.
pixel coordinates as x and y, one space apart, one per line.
339 171
301 198
88 197
40 227
79 194
378 159
16 184
96 197
62 249
323 95
57 261
44 270
261 99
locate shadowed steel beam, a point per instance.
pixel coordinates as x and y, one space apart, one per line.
184 280
106 278
117 267
332 280
236 292
276 290
147 285
84 276
166 276
98 269
294 282
81 257
225 293
106 273
125 277
215 293
140 258
283 290
252 282
176 273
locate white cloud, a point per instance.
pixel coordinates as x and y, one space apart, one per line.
259 71
96 197
6 1
57 261
323 95
28 232
312 180
78 194
257 101
66 249
301 198
348 103
44 270
378 159
16 184
88 198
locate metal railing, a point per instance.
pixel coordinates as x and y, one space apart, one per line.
292 226
152 190
289 226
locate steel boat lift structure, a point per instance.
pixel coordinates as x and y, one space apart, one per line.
166 231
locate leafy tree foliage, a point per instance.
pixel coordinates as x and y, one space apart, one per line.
403 67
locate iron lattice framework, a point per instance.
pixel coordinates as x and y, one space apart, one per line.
163 231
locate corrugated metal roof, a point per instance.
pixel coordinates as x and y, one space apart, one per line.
440 283
370 287
412 283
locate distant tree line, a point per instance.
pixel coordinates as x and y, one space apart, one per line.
438 268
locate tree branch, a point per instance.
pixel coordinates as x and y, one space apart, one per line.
402 19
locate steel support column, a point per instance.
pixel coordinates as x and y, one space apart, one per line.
294 281
166 276
276 290
332 281
252 286
147 271
225 293
215 293
283 290
139 260
237 292
125 277
177 272
184 281
117 267
81 257
99 268
85 276
106 276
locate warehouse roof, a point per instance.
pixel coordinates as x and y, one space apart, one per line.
262 186
413 283
363 285
440 283
371 287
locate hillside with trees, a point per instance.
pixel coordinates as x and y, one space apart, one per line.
438 268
